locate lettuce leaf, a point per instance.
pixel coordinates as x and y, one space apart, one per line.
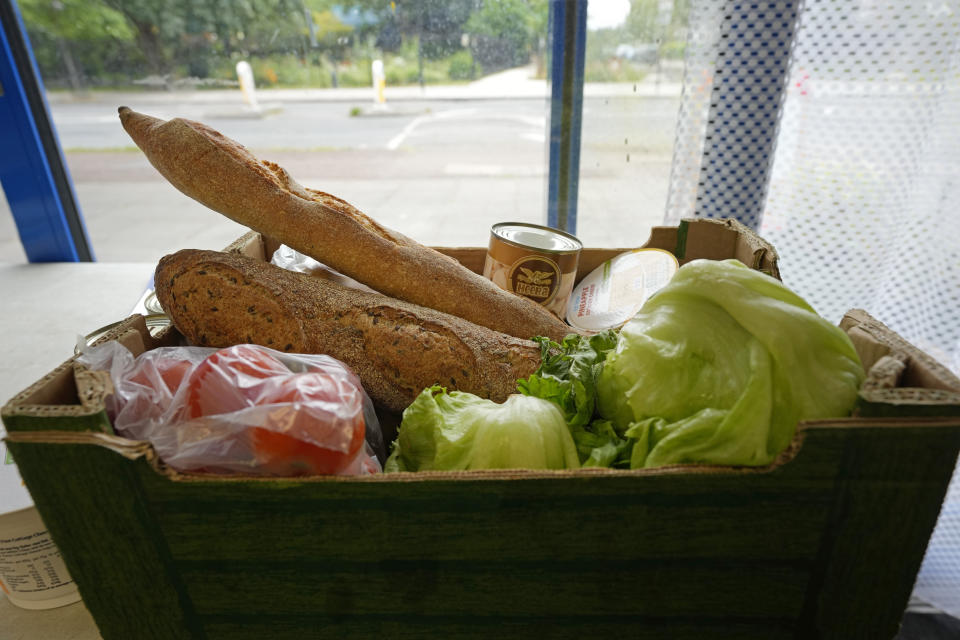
567 376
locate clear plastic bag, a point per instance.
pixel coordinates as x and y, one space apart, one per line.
293 260
244 409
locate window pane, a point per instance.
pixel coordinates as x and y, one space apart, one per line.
457 145
633 77
10 248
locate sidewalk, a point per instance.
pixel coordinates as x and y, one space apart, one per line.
509 84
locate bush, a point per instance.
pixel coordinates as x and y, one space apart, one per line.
462 66
500 33
359 75
612 71
402 71
286 71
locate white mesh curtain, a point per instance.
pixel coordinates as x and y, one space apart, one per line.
854 178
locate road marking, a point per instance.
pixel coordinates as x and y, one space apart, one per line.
398 139
468 114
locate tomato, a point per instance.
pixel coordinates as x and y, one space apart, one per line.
171 371
227 380
316 427
320 410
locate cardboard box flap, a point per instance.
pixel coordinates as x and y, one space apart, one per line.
250 244
71 390
129 449
898 373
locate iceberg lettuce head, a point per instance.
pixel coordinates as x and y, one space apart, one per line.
720 365
457 431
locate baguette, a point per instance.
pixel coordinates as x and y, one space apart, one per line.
397 349
225 176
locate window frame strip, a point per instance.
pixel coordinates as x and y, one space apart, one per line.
33 172
568 36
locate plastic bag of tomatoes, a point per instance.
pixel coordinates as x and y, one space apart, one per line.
245 409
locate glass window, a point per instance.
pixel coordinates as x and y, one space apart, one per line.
430 116
10 248
633 76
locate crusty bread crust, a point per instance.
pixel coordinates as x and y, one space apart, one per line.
225 176
396 348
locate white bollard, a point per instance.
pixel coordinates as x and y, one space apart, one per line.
247 88
379 82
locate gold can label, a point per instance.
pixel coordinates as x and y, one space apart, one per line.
536 277
535 262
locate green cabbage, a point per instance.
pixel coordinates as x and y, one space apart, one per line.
458 431
720 365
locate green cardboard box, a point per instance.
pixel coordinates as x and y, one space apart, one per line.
824 543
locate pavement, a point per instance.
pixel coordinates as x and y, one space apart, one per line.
512 83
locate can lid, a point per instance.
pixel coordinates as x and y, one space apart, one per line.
614 292
545 239
155 322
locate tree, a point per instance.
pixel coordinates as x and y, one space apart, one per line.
172 32
436 25
154 23
331 35
503 33
65 22
649 22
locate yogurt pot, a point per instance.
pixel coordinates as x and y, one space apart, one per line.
535 262
614 292
32 572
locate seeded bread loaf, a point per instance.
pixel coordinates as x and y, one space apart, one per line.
223 175
396 348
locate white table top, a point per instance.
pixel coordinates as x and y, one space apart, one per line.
46 308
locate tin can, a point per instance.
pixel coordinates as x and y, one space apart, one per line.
533 261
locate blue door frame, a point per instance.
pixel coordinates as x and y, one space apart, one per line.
33 172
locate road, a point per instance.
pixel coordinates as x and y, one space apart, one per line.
440 171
